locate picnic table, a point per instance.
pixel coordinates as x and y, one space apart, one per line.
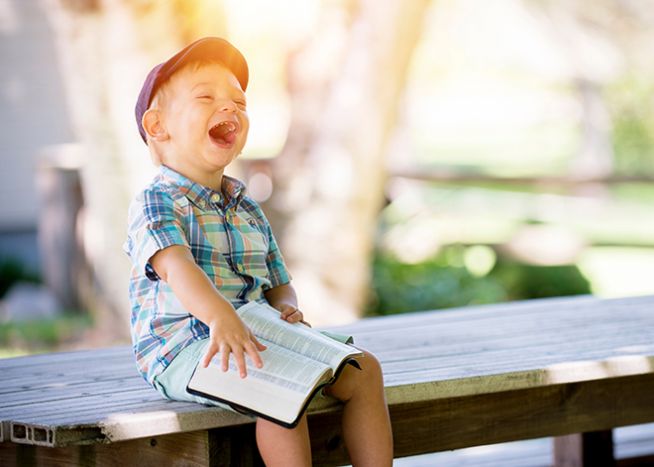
571 368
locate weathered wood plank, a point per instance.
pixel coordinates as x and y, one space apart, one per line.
59 357
187 449
453 423
516 359
442 337
529 309
426 357
597 367
439 390
438 383
446 340
630 442
637 341
56 377
72 392
71 367
90 403
135 420
640 461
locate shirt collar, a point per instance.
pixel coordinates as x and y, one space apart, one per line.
203 196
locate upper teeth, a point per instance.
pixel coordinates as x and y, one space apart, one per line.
231 124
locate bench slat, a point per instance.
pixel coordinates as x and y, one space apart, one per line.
438 358
63 357
580 306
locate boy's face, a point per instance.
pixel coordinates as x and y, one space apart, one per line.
204 117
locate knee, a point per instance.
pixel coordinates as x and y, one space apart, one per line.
353 381
371 368
370 375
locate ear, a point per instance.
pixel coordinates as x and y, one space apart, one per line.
153 125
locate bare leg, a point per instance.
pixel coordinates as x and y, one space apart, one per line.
366 424
284 447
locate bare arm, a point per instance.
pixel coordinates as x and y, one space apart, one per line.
176 266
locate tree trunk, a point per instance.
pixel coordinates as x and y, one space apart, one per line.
589 72
329 180
106 47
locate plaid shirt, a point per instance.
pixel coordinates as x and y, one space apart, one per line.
231 241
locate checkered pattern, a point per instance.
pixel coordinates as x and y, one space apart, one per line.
230 239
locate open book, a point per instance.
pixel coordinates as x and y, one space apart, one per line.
297 363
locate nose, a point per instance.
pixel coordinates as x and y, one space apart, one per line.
227 106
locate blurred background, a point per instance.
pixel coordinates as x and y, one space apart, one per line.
410 155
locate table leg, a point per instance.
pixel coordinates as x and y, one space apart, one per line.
584 450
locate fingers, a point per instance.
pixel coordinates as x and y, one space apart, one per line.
291 314
211 351
251 349
225 350
224 357
258 345
240 363
239 353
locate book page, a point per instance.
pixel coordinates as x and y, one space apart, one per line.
280 389
265 322
285 368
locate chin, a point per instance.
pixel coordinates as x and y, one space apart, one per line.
220 161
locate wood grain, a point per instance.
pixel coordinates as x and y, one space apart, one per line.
183 449
454 378
458 422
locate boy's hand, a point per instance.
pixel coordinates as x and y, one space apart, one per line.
291 314
284 300
229 334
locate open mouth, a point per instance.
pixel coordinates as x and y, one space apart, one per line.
224 133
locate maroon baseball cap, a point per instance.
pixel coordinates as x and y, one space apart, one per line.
207 48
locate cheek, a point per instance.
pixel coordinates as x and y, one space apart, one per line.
245 122
245 126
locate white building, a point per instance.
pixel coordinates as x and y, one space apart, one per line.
33 115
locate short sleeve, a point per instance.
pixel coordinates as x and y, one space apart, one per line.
275 264
154 223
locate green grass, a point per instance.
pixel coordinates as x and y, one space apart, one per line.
22 337
9 353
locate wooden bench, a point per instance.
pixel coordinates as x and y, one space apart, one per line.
571 368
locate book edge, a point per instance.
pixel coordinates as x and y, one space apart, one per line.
303 409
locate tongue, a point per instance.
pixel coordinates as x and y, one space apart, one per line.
223 135
229 137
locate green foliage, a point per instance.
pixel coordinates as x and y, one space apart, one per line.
444 281
20 337
42 335
12 271
440 282
523 281
631 104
